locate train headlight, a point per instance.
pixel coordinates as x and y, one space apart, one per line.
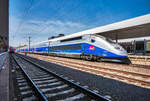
118 48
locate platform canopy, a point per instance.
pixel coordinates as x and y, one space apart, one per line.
130 28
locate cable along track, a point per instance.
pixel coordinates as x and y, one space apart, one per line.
51 86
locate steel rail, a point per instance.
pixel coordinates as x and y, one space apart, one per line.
114 75
110 69
81 88
114 70
39 92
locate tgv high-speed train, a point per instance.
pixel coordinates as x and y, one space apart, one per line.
88 47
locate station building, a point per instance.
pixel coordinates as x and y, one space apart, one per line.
4 24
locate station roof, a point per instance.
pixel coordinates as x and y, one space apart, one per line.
130 28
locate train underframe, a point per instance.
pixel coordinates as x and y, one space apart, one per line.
124 60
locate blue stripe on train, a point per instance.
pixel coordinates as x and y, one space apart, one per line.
84 49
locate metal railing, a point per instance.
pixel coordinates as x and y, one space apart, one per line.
3 57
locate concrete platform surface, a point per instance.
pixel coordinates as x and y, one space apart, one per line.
4 77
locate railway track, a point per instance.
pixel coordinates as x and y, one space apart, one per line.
113 73
24 91
139 79
49 86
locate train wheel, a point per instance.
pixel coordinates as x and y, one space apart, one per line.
95 58
99 59
81 57
88 57
84 57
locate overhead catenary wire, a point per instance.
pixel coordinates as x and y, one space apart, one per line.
54 15
23 16
80 17
64 14
26 13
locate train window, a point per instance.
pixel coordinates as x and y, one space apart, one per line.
107 39
67 47
72 39
92 40
110 41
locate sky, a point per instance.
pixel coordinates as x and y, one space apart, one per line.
41 19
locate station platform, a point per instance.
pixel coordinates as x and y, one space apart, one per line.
140 56
4 77
140 59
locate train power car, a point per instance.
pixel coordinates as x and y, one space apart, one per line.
88 47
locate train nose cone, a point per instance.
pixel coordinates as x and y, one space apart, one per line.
126 61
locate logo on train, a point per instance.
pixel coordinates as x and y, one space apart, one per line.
91 48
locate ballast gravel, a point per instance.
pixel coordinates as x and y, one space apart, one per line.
113 89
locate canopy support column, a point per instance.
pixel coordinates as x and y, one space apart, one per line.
134 46
144 46
116 37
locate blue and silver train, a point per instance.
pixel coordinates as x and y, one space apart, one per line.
88 47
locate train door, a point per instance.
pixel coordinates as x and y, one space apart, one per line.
85 49
48 47
85 39
89 48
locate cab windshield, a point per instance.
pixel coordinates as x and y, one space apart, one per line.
106 39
